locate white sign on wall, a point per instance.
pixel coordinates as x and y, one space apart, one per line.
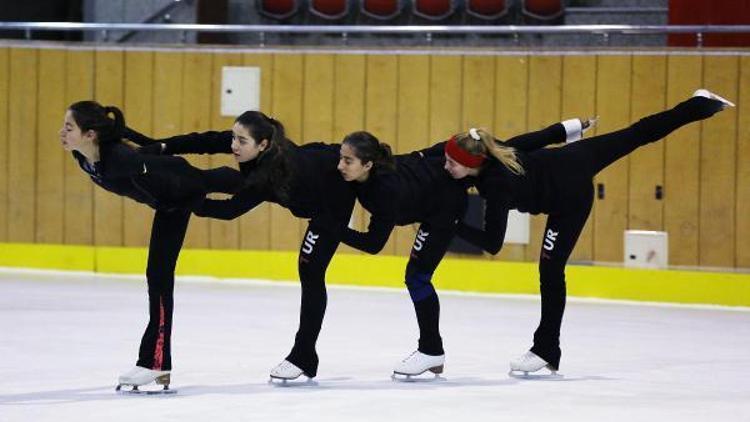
518 228
240 90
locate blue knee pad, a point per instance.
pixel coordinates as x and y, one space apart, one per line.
420 286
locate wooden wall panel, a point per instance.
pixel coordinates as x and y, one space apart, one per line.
79 189
682 165
317 107
108 90
349 115
646 164
743 167
412 126
22 125
446 101
255 226
381 103
579 100
168 70
195 114
511 118
317 103
223 234
478 105
138 107
288 77
718 166
50 186
545 79
410 101
4 90
478 81
445 97
613 105
167 86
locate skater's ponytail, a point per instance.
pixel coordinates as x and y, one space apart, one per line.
471 148
90 115
367 148
271 170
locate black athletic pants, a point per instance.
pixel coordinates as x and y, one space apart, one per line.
167 234
316 252
428 250
574 167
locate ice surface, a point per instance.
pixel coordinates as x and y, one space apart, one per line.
64 339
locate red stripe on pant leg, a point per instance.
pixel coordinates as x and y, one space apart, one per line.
159 351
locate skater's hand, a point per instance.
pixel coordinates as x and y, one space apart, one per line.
589 123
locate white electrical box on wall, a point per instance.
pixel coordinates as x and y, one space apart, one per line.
240 90
646 249
518 228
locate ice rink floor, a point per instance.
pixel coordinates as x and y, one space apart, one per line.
64 339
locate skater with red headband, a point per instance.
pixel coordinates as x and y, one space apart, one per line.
557 182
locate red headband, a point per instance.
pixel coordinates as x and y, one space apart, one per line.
463 157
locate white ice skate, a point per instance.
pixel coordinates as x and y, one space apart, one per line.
139 376
287 371
708 94
529 362
418 363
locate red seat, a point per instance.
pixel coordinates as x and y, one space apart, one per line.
277 9
433 9
487 9
381 9
542 9
329 9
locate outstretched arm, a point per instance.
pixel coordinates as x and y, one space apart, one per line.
211 142
373 240
566 131
229 209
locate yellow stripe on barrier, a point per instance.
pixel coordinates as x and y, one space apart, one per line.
53 257
470 275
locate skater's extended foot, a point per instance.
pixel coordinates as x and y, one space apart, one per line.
419 363
286 371
142 376
708 94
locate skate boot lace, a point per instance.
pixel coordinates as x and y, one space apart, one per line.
412 355
528 356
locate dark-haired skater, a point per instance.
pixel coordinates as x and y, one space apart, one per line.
167 184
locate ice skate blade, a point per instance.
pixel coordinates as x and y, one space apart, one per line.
135 391
401 377
526 375
291 382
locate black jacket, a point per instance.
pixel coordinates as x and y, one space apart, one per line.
160 182
418 190
502 190
316 190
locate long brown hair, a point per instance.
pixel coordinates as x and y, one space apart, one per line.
272 169
487 144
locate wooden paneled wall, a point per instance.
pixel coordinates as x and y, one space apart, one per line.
408 100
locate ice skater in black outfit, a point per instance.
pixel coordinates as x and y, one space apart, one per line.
404 190
302 179
408 189
167 184
556 182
